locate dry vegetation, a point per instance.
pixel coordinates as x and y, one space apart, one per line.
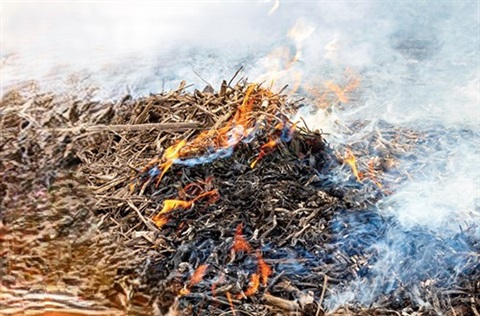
78 238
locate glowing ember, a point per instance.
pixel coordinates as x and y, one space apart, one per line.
239 242
264 269
213 195
196 278
196 187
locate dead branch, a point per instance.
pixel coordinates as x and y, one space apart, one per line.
281 303
131 128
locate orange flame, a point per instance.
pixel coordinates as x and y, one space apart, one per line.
264 150
169 205
169 156
342 92
236 129
233 132
352 162
297 79
271 144
198 275
239 242
338 91
253 286
160 220
241 125
280 63
268 147
335 92
196 278
264 269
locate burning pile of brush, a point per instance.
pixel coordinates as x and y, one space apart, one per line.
217 198
260 112
200 203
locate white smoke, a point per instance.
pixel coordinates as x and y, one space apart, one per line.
418 62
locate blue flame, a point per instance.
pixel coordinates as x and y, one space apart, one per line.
153 172
207 158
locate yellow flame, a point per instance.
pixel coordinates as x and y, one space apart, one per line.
184 291
169 157
352 162
169 205
160 220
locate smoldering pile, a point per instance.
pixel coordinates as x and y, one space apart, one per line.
200 203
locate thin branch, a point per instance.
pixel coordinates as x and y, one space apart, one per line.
130 128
